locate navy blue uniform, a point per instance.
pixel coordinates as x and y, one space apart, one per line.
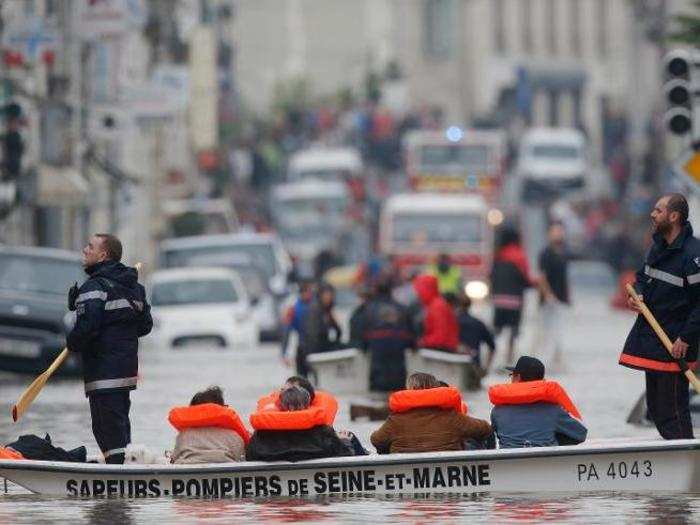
670 285
387 333
473 333
112 313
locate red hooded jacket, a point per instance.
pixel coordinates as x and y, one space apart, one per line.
440 328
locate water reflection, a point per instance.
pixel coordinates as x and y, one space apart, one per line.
525 508
109 511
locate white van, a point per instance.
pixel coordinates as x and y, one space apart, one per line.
326 164
310 216
552 160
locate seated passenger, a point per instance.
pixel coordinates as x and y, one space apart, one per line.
532 412
319 398
209 431
427 418
294 432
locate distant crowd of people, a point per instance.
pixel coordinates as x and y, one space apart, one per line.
431 310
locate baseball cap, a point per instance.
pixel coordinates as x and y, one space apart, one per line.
528 368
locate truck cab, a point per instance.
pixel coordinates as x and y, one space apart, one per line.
552 161
416 227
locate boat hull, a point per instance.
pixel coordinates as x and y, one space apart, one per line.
637 467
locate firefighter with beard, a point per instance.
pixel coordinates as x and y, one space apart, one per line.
669 284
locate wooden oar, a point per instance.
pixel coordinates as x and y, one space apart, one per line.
29 395
692 378
33 390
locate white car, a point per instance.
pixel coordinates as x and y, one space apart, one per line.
201 306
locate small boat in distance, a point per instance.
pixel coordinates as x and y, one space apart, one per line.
604 466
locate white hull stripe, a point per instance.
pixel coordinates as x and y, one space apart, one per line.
663 276
121 303
104 384
114 452
102 296
693 279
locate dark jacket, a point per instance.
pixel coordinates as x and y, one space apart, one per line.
387 334
509 277
440 330
428 430
670 285
317 325
32 446
112 313
535 425
295 445
553 265
357 326
473 333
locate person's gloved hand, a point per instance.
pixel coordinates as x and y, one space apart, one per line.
72 296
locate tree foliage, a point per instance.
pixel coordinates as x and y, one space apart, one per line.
686 27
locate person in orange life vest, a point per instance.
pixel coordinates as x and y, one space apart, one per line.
440 329
669 284
532 412
427 418
510 276
319 398
295 432
209 431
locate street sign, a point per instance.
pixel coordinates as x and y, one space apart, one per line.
688 166
29 36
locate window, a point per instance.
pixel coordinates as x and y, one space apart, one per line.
526 17
499 28
439 28
575 26
602 25
552 24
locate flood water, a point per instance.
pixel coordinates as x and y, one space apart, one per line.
603 391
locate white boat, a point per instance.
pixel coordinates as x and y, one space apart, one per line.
641 466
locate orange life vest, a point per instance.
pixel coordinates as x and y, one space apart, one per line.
8 453
288 420
208 415
445 397
527 392
322 400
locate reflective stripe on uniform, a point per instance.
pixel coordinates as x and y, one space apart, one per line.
104 384
96 294
121 303
652 364
693 279
663 276
114 452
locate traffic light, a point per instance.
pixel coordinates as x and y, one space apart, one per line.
683 79
12 144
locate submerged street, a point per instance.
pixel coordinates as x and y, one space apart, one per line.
603 391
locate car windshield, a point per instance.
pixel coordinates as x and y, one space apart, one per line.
193 291
38 274
253 280
437 228
455 156
261 255
556 151
327 174
310 217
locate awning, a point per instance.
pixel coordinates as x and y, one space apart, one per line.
554 76
62 186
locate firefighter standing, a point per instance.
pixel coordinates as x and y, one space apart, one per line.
111 314
669 284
